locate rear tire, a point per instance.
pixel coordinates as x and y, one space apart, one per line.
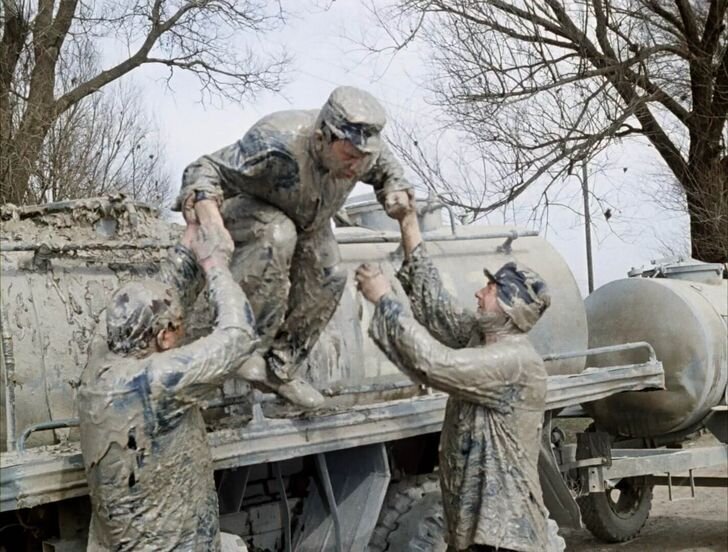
618 514
411 519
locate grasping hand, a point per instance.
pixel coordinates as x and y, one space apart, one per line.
193 209
188 209
400 204
371 282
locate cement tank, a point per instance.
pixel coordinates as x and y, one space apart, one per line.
53 292
344 348
681 309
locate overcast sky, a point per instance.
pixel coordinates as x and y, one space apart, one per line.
325 56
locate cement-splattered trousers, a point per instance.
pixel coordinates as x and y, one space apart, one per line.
148 463
279 202
490 439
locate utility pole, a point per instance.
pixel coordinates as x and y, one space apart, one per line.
587 226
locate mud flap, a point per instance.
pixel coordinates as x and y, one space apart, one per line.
717 423
557 498
351 488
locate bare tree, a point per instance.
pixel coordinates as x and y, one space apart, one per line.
464 193
104 144
541 86
40 37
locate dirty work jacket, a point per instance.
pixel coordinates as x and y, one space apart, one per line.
274 162
143 439
490 438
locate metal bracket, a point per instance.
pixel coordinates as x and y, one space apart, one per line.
351 486
285 508
44 426
257 409
594 479
505 247
323 474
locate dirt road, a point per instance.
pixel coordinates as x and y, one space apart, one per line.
699 524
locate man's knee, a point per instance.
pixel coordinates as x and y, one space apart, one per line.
335 278
275 241
279 235
251 221
265 239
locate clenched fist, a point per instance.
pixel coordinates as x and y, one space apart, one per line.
371 282
399 204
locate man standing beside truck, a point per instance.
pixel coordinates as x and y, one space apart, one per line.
279 187
144 444
496 380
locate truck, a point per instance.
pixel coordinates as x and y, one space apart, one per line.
644 359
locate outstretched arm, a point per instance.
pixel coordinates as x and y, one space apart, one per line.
235 167
387 178
432 304
192 369
180 270
488 376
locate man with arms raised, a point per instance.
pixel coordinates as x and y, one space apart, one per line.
143 439
496 380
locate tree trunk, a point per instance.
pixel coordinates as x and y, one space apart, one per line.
21 152
707 199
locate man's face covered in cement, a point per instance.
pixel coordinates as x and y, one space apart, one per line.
144 317
343 160
520 293
348 130
513 299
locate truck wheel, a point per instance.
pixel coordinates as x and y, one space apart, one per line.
411 519
618 514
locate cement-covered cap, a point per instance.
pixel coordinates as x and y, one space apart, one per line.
355 115
522 293
137 312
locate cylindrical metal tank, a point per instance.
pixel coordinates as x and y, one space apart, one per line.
53 293
53 299
681 309
344 351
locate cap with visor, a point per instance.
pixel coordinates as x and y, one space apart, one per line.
355 115
521 293
138 311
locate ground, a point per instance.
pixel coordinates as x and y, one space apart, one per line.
699 524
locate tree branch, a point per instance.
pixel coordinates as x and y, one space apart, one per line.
138 58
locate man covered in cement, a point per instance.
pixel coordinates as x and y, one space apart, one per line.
496 380
148 463
279 187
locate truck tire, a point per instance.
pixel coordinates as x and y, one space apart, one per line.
618 514
411 519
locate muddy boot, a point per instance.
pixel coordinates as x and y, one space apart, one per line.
231 543
301 393
253 370
295 390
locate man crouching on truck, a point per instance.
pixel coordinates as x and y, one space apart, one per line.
143 439
496 380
